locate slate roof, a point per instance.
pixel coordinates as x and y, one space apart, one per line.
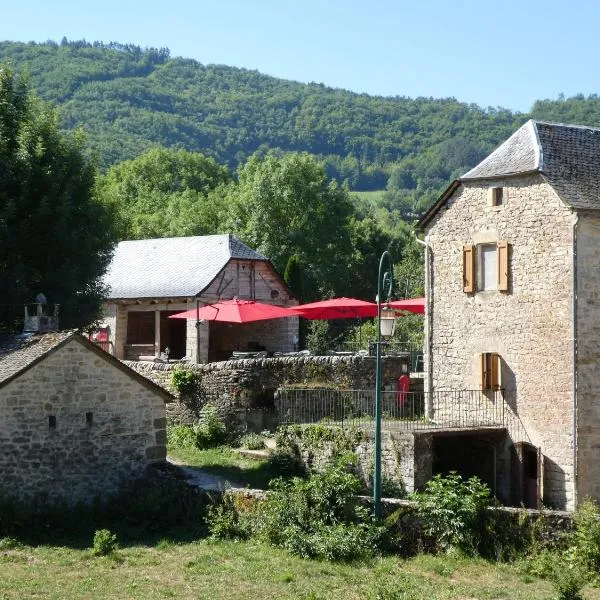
20 352
568 156
172 267
17 352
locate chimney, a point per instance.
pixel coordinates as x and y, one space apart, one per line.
38 318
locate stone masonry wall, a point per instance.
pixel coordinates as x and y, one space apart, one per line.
588 355
252 383
530 326
77 460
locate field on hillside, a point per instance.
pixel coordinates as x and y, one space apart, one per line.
373 198
250 570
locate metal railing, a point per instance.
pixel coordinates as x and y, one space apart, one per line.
388 348
400 410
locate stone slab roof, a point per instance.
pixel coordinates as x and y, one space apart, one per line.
567 155
20 352
17 352
172 267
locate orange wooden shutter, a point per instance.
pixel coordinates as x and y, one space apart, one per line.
503 278
495 382
468 268
483 371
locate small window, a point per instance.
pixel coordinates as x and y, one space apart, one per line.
490 367
51 421
497 196
89 418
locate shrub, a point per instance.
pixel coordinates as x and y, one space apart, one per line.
452 511
585 539
105 543
252 441
318 517
229 520
211 430
181 436
184 380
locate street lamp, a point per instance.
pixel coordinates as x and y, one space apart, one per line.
385 326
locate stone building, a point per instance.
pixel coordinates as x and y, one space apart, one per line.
149 280
75 423
513 303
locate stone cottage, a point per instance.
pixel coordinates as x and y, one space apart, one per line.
75 423
513 303
149 280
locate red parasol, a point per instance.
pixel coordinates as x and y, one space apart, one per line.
337 308
236 311
414 305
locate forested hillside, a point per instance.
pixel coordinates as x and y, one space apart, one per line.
128 99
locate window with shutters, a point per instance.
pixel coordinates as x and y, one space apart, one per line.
486 267
490 369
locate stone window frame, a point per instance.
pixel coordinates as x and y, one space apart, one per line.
473 268
497 196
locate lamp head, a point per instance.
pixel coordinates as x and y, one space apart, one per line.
387 322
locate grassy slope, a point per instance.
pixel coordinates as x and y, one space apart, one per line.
249 570
373 198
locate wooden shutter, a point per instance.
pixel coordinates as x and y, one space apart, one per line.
494 369
503 277
483 371
469 268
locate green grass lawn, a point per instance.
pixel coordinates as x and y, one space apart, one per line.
227 463
373 198
250 570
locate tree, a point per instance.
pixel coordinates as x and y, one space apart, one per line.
293 276
54 237
164 193
284 206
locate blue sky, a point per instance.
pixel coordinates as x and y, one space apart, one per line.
506 53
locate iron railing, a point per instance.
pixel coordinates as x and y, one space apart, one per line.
400 410
388 348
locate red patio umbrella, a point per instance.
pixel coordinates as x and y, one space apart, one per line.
236 311
414 305
337 308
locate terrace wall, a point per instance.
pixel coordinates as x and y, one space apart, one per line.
252 383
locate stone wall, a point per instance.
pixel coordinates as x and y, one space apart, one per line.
588 356
251 384
529 326
74 427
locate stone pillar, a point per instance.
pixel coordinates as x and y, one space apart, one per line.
157 333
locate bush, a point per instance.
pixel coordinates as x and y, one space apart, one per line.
229 520
211 430
181 436
105 543
318 517
184 380
585 539
253 441
453 511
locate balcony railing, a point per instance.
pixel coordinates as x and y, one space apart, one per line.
400 410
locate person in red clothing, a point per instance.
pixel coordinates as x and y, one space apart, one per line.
402 390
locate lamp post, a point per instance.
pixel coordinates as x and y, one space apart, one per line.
385 326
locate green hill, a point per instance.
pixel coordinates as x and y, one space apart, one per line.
128 99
